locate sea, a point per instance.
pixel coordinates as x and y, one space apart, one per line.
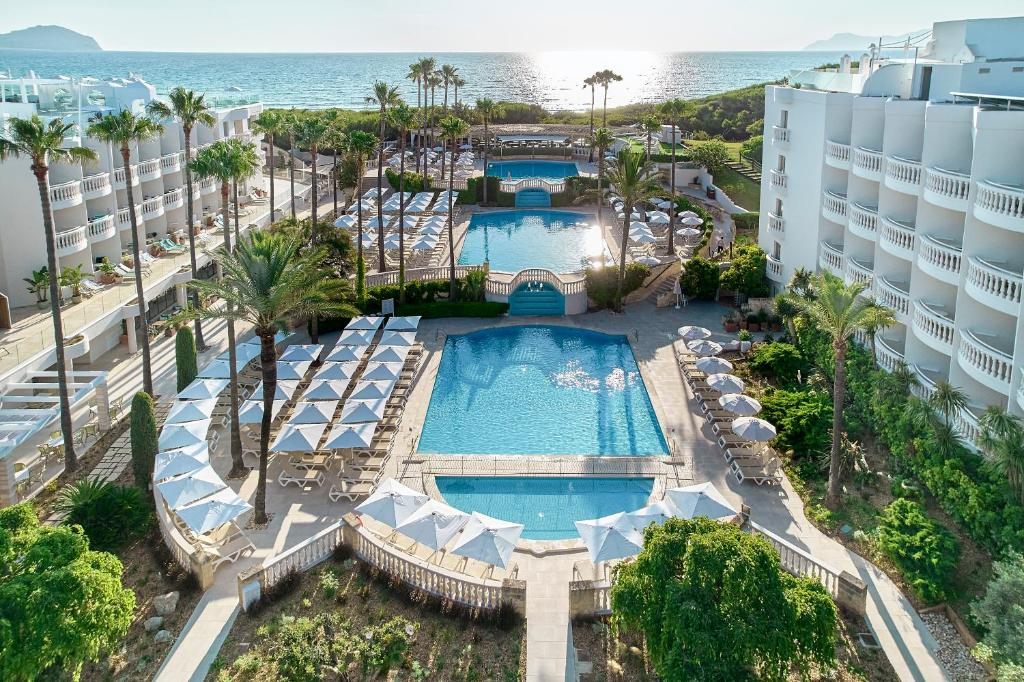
553 80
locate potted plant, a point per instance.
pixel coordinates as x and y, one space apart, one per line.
105 273
745 340
731 323
39 284
72 279
743 320
179 320
753 322
776 323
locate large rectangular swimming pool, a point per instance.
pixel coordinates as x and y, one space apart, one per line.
548 170
560 241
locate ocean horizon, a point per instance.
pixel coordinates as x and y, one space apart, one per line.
553 80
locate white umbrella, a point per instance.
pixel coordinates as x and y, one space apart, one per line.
725 383
637 226
345 354
687 232
216 369
183 411
350 436
690 332
180 461
336 371
390 354
409 222
251 411
610 537
373 390
424 244
365 322
691 221
702 499
689 214
658 512
649 261
658 218
642 237
213 511
403 324
371 193
298 438
397 338
203 389
753 429
283 391
325 390
433 524
368 239
308 352
183 435
382 371
346 221
487 539
195 485
244 353
430 230
711 365
704 348
376 224
392 503
317 412
739 404
354 337
292 371
357 411
391 242
663 203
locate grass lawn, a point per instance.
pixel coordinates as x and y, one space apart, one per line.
742 191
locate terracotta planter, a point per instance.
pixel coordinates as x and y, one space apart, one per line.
731 326
753 327
776 326
743 324
106 277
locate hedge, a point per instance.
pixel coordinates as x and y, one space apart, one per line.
439 309
185 357
143 438
925 552
746 221
602 283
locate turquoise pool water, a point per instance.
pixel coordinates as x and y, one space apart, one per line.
540 390
560 241
548 507
549 170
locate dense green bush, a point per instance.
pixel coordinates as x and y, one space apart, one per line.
143 438
111 515
700 278
454 309
802 418
1001 611
713 155
753 148
779 362
746 273
746 221
414 182
925 553
185 357
603 282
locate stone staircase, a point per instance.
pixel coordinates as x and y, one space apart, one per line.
533 198
745 171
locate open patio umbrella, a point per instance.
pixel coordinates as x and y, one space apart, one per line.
355 337
688 214
389 338
391 242
704 348
701 499
343 436
357 411
392 503
320 389
390 354
430 229
610 537
368 239
690 332
410 323
195 485
302 352
298 438
691 221
487 539
433 524
637 226
183 411
213 511
365 322
753 429
314 412
283 391
382 371
183 435
203 389
346 221
336 371
424 244
649 261
346 354
372 390
292 371
657 512
251 411
712 365
642 237
688 232
739 404
725 383
216 369
657 218
180 461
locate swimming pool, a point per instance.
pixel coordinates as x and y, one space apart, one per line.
540 390
549 170
548 507
560 241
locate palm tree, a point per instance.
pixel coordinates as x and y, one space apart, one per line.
591 82
403 118
636 181
336 140
416 74
290 122
453 129
840 311
124 129
267 282
458 82
602 139
313 132
650 124
604 79
672 110
360 145
191 110
43 144
270 124
226 160
384 97
488 111
448 74
426 67
947 400
433 81
800 283
1002 440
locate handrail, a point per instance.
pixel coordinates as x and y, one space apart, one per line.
419 274
552 187
563 286
800 563
302 556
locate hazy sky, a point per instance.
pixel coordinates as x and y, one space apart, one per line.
483 25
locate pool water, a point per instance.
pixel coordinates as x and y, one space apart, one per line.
548 170
540 390
560 241
548 507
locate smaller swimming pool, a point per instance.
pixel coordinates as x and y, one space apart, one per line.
548 170
547 507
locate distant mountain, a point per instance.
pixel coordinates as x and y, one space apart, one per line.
851 42
55 38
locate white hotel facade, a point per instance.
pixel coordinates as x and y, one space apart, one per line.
908 174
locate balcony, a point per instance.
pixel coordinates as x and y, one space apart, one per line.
926 380
776 223
995 286
124 219
119 176
895 296
170 163
888 353
897 238
863 221
174 198
96 185
933 327
833 206
1000 205
831 258
861 272
149 170
902 175
968 424
940 258
207 186
101 227
947 188
780 135
66 194
1020 390
837 155
867 163
72 241
779 179
984 362
152 207
774 269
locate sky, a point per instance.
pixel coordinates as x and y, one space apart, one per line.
484 25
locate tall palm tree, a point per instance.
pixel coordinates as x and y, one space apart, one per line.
947 400
650 124
601 139
433 81
123 130
604 79
225 161
416 74
290 122
488 111
427 66
453 129
840 311
800 283
336 138
384 97
267 282
448 75
458 82
360 146
312 133
636 181
270 124
1002 440
43 145
591 82
403 118
190 109
672 112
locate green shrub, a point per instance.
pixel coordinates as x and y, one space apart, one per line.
111 515
185 357
925 553
439 309
1001 610
700 278
753 148
746 221
414 182
779 362
802 418
143 438
746 273
329 584
474 286
602 282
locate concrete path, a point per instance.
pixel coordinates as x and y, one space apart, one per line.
547 615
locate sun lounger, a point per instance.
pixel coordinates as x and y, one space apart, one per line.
304 478
360 476
350 491
168 245
767 474
230 551
368 463
310 461
124 271
89 287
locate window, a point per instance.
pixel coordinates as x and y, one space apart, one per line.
781 167
777 251
784 118
1018 69
985 70
778 207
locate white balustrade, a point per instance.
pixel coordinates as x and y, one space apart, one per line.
831 257
66 194
887 356
969 426
776 223
512 186
96 185
940 258
924 387
207 186
72 241
302 556
867 163
1001 205
863 220
779 179
173 198
861 272
418 274
947 188
102 228
994 285
566 287
774 269
903 175
149 170
780 134
1020 390
837 154
119 180
934 327
172 162
834 206
153 206
985 362
799 563
898 238
893 296
124 219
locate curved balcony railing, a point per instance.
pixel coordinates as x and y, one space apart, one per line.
124 217
834 206
969 425
902 175
564 284
893 295
780 134
897 237
947 188
861 272
925 385
933 327
863 220
119 182
776 223
66 194
512 186
831 257
1000 205
837 154
102 228
72 241
779 179
153 207
940 258
149 170
96 185
867 163
207 186
985 362
886 354
172 162
774 269
174 198
1020 390
994 285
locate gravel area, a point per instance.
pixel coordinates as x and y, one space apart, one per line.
953 653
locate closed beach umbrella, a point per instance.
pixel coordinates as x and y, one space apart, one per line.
180 461
344 436
690 332
183 411
251 411
433 524
659 512
487 539
343 353
392 503
195 485
183 435
753 429
213 511
336 371
372 390
725 383
358 411
409 323
610 537
739 404
298 438
315 412
365 322
390 354
397 338
382 371
308 352
702 499
292 371
704 348
712 365
325 390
